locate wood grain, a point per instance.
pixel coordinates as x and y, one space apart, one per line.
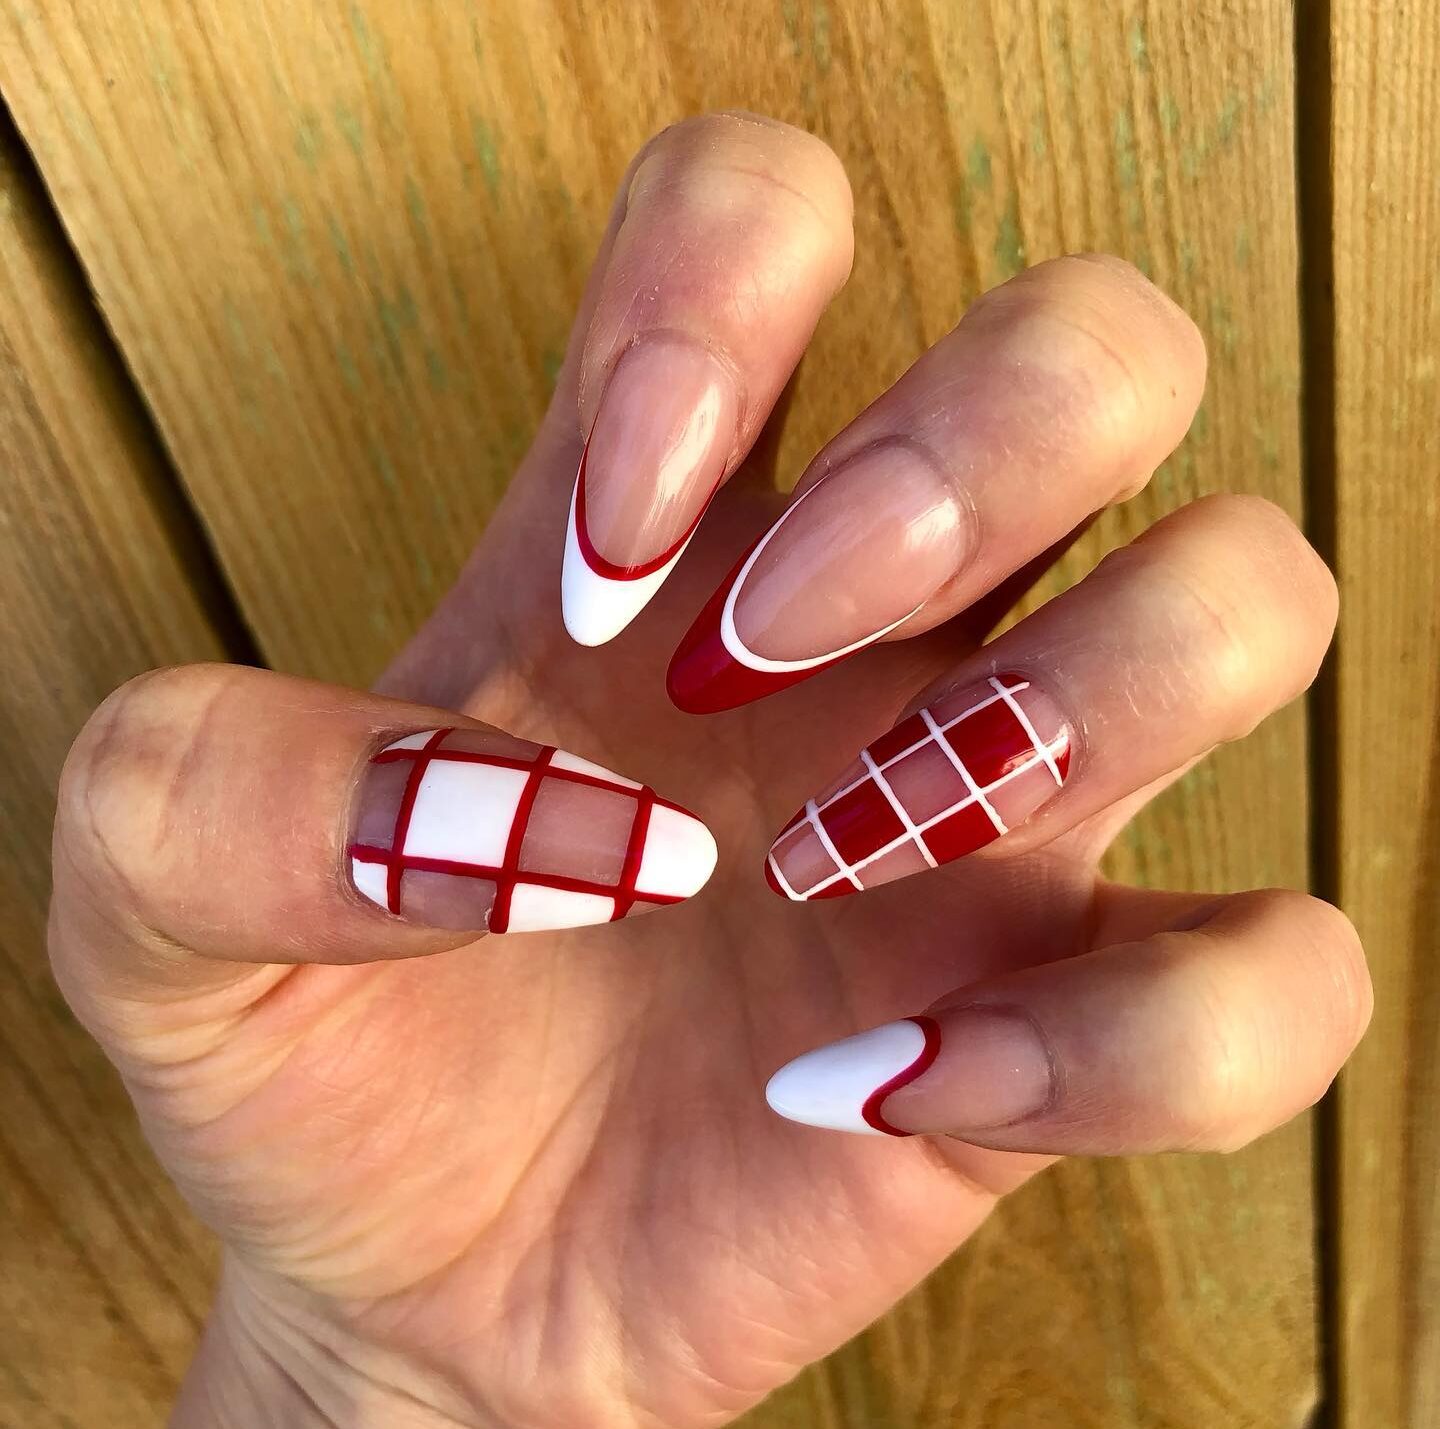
1385 69
339 244
105 1274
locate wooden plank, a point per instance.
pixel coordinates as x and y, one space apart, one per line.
1385 71
341 241
105 1273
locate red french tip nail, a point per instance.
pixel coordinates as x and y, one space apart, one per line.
712 670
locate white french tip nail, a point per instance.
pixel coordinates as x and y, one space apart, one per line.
596 607
841 1086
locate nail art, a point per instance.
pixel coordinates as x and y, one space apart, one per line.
844 1086
811 592
939 785
471 829
655 456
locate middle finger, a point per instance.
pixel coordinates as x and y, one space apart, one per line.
1057 394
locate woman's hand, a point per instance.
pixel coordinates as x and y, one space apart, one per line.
470 1180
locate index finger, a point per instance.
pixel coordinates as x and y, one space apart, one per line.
736 233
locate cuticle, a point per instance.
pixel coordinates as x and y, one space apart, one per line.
1055 1068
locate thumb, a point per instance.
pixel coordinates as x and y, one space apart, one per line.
212 816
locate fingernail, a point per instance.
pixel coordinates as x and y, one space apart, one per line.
858 554
965 1071
471 829
845 1085
942 783
655 455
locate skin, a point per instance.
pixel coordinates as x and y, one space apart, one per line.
533 1181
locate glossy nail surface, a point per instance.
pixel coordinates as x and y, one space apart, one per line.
967 1069
815 589
655 455
844 1086
939 785
472 829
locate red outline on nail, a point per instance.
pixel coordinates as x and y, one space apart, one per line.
705 678
609 570
870 1111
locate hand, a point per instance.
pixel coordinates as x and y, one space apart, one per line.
533 1180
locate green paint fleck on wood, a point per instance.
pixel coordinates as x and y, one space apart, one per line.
309 138
1169 114
1242 245
485 152
296 259
435 368
349 371
1039 139
1269 445
1139 50
1127 163
1223 328
1009 245
372 52
385 469
550 362
340 244
820 44
1188 257
1229 120
415 204
977 166
350 127
960 205
790 18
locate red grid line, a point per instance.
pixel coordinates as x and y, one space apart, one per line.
505 887
510 761
404 813
626 895
508 875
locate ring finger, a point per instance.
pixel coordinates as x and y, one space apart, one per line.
1184 639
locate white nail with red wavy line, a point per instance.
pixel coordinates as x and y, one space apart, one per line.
843 1086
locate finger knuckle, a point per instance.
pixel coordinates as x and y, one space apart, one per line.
1215 1060
123 792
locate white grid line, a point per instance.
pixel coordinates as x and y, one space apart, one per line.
813 814
901 812
780 878
1030 731
963 771
849 870
921 743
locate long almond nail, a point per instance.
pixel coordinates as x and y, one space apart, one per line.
851 560
845 1085
951 778
655 456
471 829
970 1069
